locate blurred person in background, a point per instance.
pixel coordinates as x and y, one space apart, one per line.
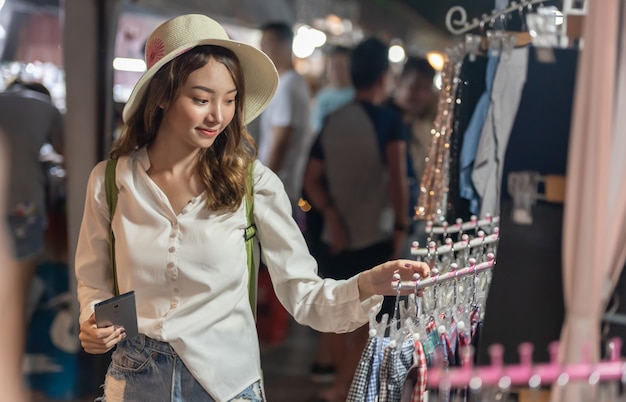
415 97
11 300
415 94
285 134
356 176
29 121
337 91
283 140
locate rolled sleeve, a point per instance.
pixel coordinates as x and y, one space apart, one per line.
326 305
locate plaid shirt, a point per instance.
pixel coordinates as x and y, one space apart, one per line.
400 360
372 388
358 388
474 319
431 343
385 367
419 390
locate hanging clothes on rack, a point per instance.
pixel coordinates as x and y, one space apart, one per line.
471 138
472 85
423 331
504 103
525 302
414 387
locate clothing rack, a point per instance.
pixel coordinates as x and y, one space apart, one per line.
526 373
450 247
460 226
454 273
466 26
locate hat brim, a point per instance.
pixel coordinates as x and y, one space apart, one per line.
260 76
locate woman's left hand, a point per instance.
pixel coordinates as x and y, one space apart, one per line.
377 280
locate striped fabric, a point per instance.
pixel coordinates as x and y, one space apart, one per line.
373 383
401 362
419 390
386 366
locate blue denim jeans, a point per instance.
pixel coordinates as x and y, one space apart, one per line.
143 369
26 227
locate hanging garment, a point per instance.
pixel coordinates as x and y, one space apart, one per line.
400 360
471 87
414 388
373 383
385 366
432 344
525 302
471 137
451 343
505 99
358 388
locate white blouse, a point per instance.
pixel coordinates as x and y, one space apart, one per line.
189 272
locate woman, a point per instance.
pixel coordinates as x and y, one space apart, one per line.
182 167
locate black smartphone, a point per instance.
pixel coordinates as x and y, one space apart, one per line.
119 311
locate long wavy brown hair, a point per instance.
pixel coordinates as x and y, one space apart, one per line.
223 166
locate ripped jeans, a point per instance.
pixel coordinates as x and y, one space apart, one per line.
144 369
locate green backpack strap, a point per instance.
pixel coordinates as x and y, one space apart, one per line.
249 234
111 193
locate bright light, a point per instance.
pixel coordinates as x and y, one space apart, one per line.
126 64
3 33
301 48
438 80
121 93
306 40
316 37
335 24
396 54
436 60
1 4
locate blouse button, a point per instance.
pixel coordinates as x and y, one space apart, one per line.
170 265
171 249
173 234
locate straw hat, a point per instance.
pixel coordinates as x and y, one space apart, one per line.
181 34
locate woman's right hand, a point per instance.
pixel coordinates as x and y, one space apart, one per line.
99 340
